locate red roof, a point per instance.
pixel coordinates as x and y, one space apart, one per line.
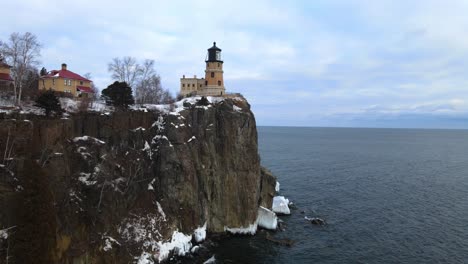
5 77
65 74
84 89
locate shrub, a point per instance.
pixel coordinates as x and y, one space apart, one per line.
50 103
203 101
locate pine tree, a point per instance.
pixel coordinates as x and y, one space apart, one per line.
43 71
118 94
50 103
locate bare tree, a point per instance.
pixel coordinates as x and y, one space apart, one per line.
93 86
126 70
22 52
143 79
149 90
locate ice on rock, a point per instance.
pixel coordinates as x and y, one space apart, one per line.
200 233
280 205
267 219
250 230
277 187
211 260
180 244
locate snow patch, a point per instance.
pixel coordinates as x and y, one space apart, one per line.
108 241
74 196
159 124
192 138
150 185
147 149
85 179
159 137
236 108
88 138
277 187
145 258
267 219
194 249
161 212
200 233
280 205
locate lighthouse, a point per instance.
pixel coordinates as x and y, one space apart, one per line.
214 82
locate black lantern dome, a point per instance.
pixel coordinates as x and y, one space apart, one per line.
214 54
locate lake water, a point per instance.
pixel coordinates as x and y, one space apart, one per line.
388 196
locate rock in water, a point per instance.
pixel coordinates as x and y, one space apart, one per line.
316 221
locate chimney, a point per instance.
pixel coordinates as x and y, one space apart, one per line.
64 66
183 76
194 76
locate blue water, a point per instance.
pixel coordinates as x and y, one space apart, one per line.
388 196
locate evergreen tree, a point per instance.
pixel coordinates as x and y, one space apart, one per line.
50 103
203 101
118 94
43 71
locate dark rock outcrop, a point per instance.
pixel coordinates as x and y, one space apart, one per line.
116 184
268 191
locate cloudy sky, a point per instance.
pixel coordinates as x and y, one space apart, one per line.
364 63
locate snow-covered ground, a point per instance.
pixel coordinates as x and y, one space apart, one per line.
71 105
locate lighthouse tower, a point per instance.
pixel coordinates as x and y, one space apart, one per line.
214 82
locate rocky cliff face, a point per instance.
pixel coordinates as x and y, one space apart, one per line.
114 187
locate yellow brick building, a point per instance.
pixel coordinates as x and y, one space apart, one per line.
67 82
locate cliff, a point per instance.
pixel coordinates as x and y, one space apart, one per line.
128 186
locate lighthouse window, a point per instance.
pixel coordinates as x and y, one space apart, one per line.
183 85
212 75
193 85
219 83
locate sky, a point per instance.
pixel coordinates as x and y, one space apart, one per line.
338 63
